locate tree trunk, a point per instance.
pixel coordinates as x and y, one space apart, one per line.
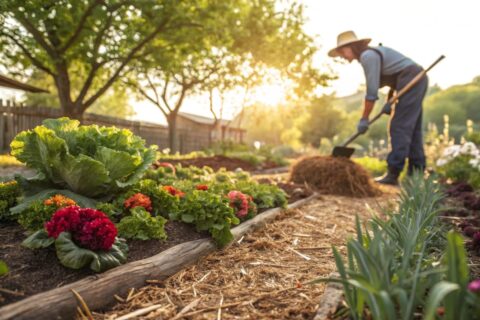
172 132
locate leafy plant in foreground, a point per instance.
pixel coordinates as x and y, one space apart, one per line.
81 237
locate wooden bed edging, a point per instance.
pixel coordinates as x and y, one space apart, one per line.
98 290
330 300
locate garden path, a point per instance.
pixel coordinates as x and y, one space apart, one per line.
261 276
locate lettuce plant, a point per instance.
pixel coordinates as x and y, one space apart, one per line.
9 192
89 160
141 225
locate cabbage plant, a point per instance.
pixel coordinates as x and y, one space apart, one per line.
89 160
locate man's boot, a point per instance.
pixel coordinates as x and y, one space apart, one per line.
391 177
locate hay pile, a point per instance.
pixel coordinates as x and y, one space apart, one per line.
334 175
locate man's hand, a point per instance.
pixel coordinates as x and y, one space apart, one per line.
387 108
362 125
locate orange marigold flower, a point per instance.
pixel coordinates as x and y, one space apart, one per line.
173 191
138 200
59 201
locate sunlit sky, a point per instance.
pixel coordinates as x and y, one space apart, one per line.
420 29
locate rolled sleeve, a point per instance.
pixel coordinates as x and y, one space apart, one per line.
371 64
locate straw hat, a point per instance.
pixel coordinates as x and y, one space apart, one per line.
345 38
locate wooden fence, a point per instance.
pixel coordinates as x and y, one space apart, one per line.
15 118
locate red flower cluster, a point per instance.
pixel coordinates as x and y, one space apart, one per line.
202 187
239 201
90 228
138 200
173 191
167 165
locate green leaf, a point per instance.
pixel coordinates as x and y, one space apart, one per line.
82 201
116 256
437 294
118 163
84 175
75 257
149 157
38 239
188 218
3 268
141 225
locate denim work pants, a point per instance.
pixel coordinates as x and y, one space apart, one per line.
406 136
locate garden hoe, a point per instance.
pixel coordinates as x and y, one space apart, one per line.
346 152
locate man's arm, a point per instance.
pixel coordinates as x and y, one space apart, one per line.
367 108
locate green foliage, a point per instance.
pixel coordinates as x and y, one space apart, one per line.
3 268
264 195
9 192
374 166
141 225
323 121
459 169
34 217
209 212
74 257
459 102
473 137
89 160
459 303
389 267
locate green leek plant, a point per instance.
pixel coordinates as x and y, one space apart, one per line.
389 264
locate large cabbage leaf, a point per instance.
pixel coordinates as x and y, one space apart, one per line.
89 160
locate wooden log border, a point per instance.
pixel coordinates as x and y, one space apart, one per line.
330 300
98 290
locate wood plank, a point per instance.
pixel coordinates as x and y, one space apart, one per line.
99 290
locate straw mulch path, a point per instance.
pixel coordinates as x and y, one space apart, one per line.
262 275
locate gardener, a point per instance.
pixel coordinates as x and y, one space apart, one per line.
386 67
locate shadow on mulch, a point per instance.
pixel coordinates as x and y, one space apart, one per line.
35 271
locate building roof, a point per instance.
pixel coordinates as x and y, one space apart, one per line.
202 119
14 84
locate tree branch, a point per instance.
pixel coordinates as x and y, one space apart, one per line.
37 63
127 59
80 26
95 66
37 35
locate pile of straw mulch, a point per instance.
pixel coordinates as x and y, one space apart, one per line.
334 175
262 276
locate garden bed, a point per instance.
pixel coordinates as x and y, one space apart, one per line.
219 161
32 272
98 290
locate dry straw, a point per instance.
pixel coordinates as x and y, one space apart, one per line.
334 175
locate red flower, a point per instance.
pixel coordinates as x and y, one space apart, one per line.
202 187
167 165
173 191
90 228
138 200
239 202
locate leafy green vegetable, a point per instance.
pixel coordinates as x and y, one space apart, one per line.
9 192
75 257
3 268
89 160
141 225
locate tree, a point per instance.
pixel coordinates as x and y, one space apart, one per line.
114 103
243 33
95 40
322 121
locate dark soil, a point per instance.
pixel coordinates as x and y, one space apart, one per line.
217 162
463 212
35 271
